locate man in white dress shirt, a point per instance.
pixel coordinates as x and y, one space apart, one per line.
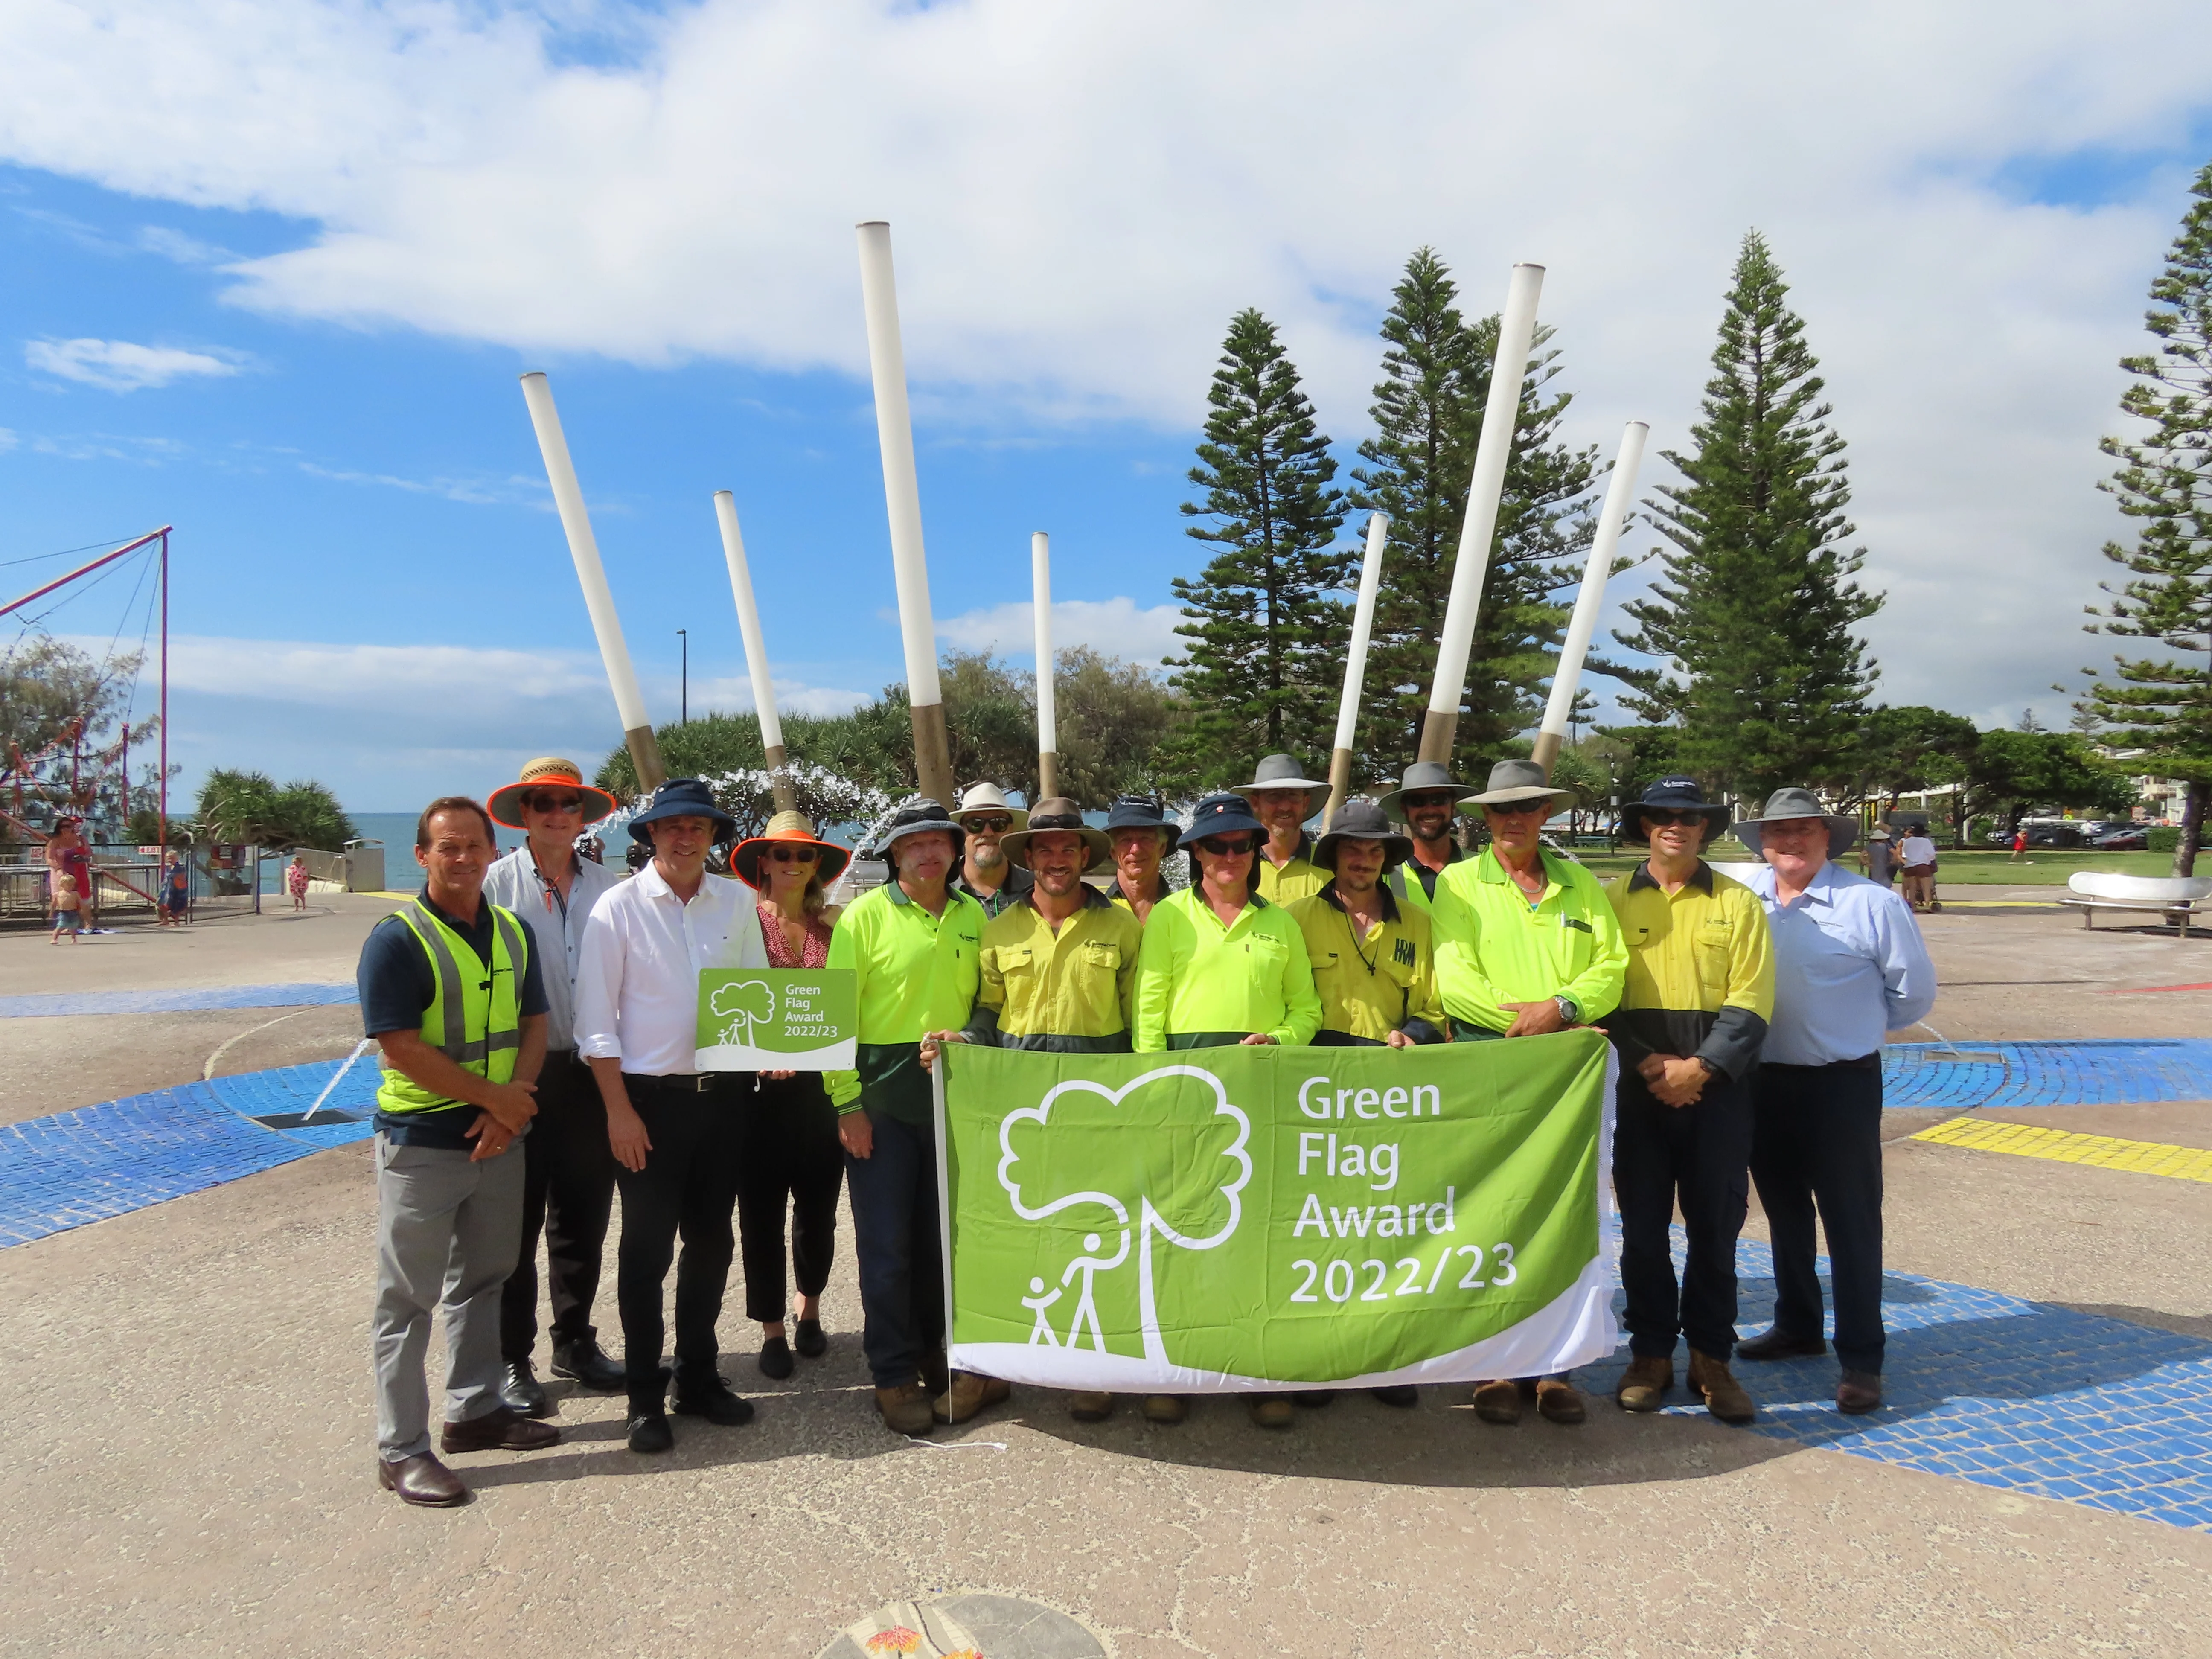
1849 968
673 1130
568 1176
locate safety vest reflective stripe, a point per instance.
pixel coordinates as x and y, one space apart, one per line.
457 1046
461 1003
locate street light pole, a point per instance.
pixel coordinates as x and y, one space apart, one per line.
683 685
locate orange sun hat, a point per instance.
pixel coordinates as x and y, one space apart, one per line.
785 829
505 803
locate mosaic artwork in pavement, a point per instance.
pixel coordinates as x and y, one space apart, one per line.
176 1002
1966 1075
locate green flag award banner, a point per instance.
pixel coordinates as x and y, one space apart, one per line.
1217 1219
771 1019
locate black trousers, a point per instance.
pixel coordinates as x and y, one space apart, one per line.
789 1158
1699 1156
688 1188
894 1230
568 1193
1816 1145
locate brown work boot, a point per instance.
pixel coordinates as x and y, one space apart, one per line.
906 1409
1648 1376
1165 1408
1091 1408
500 1429
1559 1401
1725 1397
1498 1401
1272 1411
971 1391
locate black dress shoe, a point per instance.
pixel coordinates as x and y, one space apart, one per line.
422 1479
709 1397
648 1432
521 1393
584 1362
775 1359
1778 1344
1313 1398
1403 1393
812 1343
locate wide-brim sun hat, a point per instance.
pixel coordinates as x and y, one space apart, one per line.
917 816
547 772
990 797
1284 772
1420 779
1515 782
1362 820
1786 804
1675 793
787 830
682 798
1139 812
1056 816
1226 814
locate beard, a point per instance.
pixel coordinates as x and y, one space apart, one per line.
987 857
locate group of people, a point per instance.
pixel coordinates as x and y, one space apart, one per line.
539 997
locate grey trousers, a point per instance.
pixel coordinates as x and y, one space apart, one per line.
448 1232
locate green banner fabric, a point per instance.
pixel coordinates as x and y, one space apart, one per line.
1219 1219
767 1019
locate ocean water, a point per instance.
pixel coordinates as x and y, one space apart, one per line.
397 831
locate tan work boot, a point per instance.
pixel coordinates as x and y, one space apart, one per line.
971 1391
1725 1397
1272 1411
1091 1408
1559 1400
1498 1401
1646 1378
1165 1408
905 1409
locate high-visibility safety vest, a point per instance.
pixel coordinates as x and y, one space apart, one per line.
475 1017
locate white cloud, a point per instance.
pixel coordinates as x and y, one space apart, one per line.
175 245
510 491
1081 196
1117 626
122 366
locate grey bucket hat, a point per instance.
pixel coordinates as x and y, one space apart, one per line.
1800 803
1284 772
916 816
1057 816
1418 778
1362 820
1512 781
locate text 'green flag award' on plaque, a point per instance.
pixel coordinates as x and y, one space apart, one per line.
777 1019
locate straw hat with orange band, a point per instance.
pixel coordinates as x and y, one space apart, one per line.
547 772
790 831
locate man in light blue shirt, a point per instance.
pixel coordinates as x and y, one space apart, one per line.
1849 968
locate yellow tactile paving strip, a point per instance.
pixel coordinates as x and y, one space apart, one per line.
2062 1146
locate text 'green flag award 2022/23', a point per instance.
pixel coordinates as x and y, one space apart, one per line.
777 1019
1219 1219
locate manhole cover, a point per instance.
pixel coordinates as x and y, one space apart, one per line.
964 1624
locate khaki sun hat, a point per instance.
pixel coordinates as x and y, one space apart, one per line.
505 803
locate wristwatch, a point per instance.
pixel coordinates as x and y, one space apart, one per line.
1569 1010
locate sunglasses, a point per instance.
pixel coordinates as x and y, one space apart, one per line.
998 825
1520 809
794 854
1662 819
1226 848
556 803
1434 798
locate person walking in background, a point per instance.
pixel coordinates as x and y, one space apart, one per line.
568 1169
454 995
1426 801
67 855
1849 968
2018 845
176 891
1141 835
296 881
1917 856
674 1130
789 1156
986 874
68 915
1526 944
1881 856
913 945
1693 1010
1282 799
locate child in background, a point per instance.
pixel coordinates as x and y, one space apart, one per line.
176 893
69 916
296 881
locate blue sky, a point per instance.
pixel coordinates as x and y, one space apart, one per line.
326 244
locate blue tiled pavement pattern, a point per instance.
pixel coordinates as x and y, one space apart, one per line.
2025 1396
74 1168
176 1002
2074 1073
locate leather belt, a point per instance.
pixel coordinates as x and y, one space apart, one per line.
680 1083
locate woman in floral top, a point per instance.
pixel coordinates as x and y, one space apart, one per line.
791 1155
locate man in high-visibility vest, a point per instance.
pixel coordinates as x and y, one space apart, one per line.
1222 965
1526 944
1283 800
451 991
1427 802
1058 972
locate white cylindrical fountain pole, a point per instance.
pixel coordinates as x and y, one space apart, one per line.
1589 599
749 629
1355 669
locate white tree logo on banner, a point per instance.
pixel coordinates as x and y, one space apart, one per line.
747 1004
1149 1222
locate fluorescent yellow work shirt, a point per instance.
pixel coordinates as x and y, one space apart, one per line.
1405 882
1371 982
1299 879
1700 981
914 972
1494 947
1199 984
1068 992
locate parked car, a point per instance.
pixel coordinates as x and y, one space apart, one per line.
2135 838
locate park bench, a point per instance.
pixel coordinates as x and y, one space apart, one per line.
2176 897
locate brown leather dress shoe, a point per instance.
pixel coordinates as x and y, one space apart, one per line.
422 1479
1725 1398
497 1429
1559 1400
906 1409
1648 1377
971 1391
1498 1401
1778 1344
1858 1392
